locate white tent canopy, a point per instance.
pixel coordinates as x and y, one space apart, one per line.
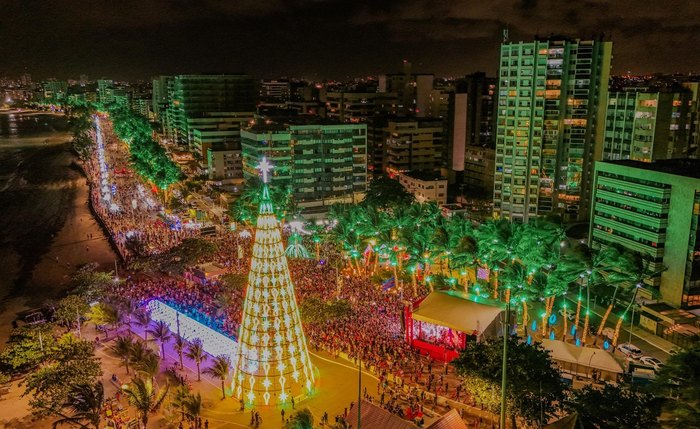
455 311
588 357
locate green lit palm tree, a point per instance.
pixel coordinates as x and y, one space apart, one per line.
161 333
102 314
85 402
220 369
148 365
122 347
195 351
192 406
144 397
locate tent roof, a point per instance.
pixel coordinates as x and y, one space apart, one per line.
584 356
568 422
450 420
457 311
374 417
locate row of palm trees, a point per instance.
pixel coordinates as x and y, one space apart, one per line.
137 357
519 263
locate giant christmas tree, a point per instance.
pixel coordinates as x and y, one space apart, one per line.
272 361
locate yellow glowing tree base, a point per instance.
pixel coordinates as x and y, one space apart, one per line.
272 362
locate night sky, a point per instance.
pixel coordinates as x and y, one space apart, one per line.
317 39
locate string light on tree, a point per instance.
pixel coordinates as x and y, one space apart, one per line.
272 361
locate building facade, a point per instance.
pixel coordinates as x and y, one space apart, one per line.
225 165
323 162
414 145
649 126
653 209
547 130
192 97
425 188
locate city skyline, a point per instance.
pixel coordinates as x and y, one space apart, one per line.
328 39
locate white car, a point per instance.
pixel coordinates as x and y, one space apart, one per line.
651 361
569 314
630 350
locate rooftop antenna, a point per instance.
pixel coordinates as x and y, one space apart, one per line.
505 35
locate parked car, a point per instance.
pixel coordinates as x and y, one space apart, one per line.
651 361
569 314
630 350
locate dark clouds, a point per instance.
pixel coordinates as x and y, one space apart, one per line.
327 38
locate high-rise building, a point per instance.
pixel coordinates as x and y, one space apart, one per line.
550 120
356 107
160 97
414 145
322 161
274 90
413 89
225 164
649 126
105 91
653 208
205 101
54 91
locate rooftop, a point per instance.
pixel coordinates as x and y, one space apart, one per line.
423 175
677 167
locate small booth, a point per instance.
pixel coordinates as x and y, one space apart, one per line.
441 323
204 274
583 361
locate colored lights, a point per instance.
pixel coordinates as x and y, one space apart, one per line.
213 342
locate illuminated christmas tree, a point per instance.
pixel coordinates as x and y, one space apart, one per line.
272 361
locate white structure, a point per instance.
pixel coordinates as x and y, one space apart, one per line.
425 188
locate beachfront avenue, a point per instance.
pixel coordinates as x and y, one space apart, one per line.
411 302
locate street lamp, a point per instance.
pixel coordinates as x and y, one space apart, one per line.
589 365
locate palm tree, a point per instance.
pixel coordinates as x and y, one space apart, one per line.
195 351
85 402
192 406
302 419
139 351
161 333
122 347
148 365
179 347
497 240
220 369
144 397
143 319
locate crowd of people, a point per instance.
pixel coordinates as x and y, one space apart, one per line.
132 212
370 333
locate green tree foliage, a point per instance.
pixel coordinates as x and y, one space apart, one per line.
245 208
614 407
313 310
384 192
189 252
70 363
122 347
24 347
679 382
195 351
534 385
103 314
148 158
90 283
70 310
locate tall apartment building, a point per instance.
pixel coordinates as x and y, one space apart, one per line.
414 145
208 102
54 91
551 101
649 126
225 164
413 89
653 209
160 97
105 91
275 91
357 107
323 161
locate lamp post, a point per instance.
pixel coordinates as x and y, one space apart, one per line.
504 366
359 391
588 370
634 306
